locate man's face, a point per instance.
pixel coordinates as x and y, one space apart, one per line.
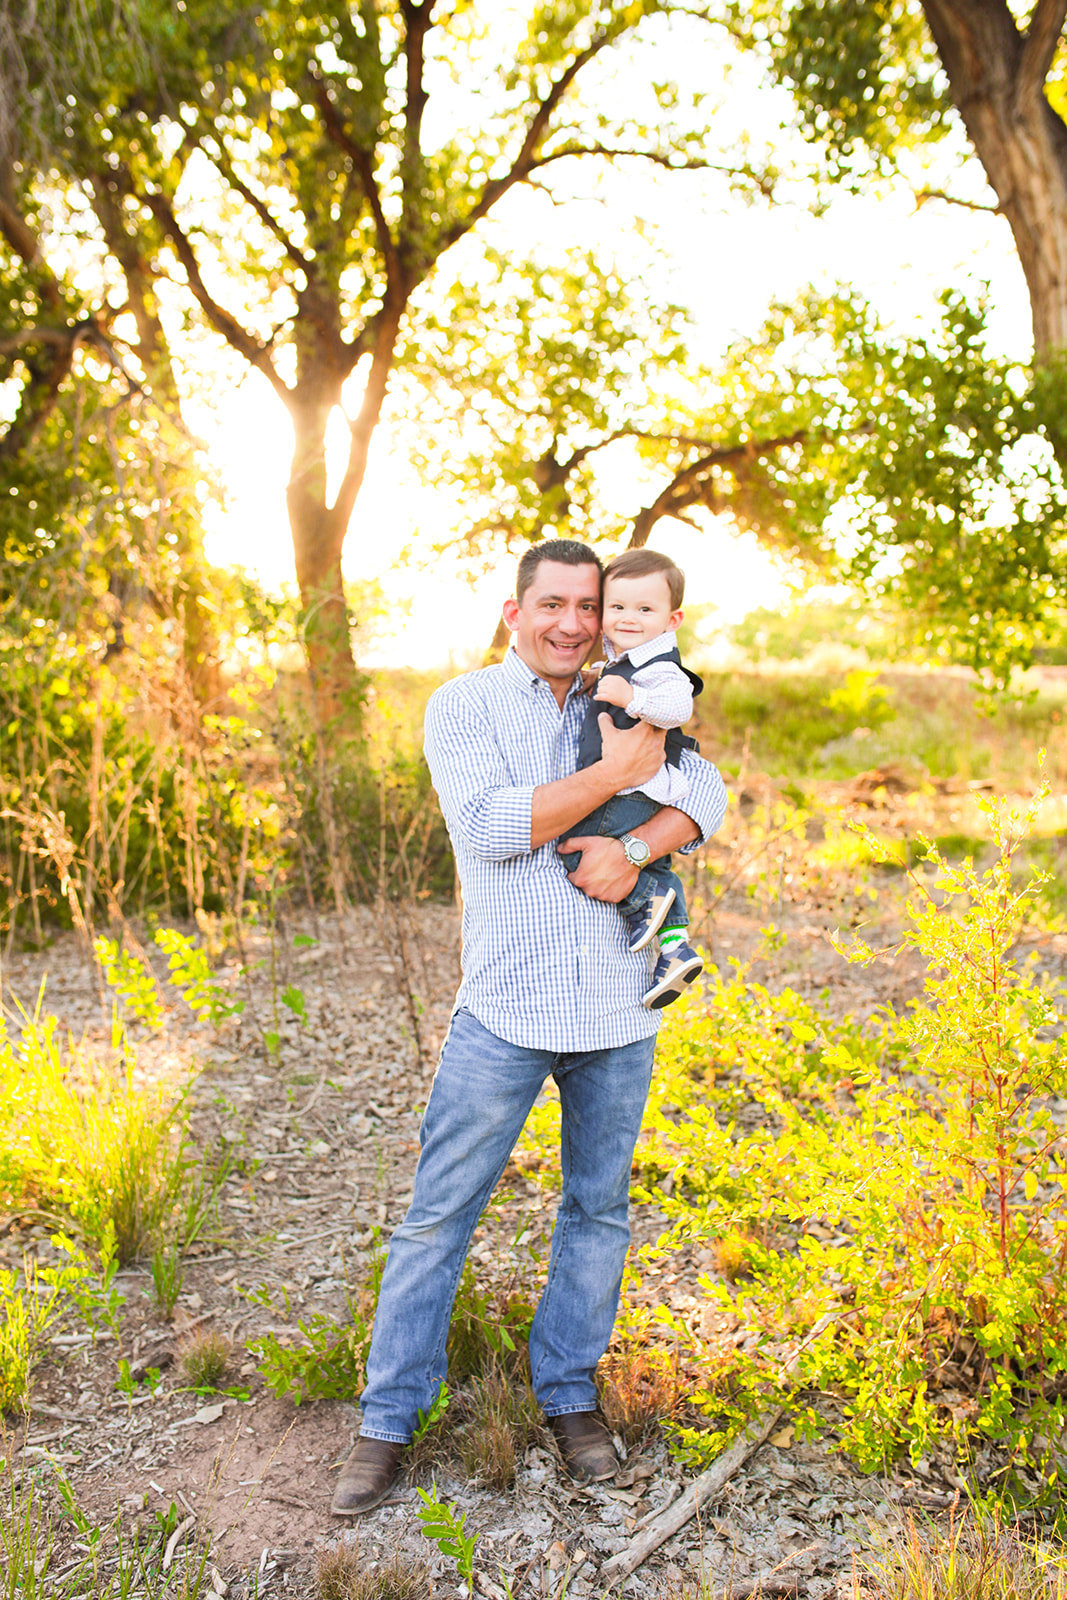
559 619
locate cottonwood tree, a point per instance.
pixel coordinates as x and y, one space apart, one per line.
873 81
96 460
293 175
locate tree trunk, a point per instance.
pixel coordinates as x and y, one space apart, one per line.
200 646
318 535
996 76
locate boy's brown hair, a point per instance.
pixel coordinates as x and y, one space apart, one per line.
642 564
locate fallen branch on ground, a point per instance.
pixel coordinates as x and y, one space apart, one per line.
710 1483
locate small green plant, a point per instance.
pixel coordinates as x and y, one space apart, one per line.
428 1420
168 1275
488 1326
330 1363
442 1524
191 973
203 1359
131 980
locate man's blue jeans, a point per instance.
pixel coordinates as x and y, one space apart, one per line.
481 1097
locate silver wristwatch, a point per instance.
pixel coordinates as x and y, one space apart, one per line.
636 851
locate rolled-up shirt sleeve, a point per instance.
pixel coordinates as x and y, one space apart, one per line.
706 800
478 801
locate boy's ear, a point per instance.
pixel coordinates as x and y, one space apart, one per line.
675 618
511 614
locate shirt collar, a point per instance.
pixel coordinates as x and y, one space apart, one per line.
524 677
642 652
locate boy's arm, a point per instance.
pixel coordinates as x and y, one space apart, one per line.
659 693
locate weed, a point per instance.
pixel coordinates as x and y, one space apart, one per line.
31 1304
501 1420
342 1575
79 1133
131 980
330 1363
640 1385
441 1524
203 1358
485 1327
975 1558
168 1275
113 1565
732 1254
906 1179
191 974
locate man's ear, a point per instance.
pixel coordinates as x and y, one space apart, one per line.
511 614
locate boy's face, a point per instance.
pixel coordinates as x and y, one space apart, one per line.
637 609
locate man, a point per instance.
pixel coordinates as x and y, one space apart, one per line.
549 986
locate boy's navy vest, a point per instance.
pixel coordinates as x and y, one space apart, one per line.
589 741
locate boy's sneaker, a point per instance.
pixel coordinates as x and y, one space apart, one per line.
675 969
642 926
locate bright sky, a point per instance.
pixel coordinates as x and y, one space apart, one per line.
727 261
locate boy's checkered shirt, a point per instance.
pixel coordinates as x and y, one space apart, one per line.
544 965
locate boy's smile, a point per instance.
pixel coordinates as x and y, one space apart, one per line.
637 610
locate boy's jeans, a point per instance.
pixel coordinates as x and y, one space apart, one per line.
621 814
481 1095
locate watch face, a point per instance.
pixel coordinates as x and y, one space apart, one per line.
636 852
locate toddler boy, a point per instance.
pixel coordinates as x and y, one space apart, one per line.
644 678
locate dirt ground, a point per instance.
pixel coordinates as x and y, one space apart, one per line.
326 1143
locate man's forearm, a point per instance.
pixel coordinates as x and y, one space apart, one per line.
558 806
605 873
669 829
630 758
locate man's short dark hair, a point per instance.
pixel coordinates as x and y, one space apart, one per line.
642 564
571 552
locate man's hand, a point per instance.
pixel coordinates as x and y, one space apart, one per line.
631 755
603 872
614 690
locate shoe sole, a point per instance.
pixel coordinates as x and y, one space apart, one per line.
654 927
668 989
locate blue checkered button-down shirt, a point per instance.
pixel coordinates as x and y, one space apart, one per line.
544 965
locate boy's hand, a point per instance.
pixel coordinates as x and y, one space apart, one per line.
603 872
615 690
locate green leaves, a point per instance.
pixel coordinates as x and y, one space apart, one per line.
906 1176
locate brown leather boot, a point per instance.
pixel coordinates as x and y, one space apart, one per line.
585 1445
366 1477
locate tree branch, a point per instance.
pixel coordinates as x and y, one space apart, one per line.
923 195
536 130
363 166
417 23
1039 47
254 351
659 158
225 166
25 243
692 485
